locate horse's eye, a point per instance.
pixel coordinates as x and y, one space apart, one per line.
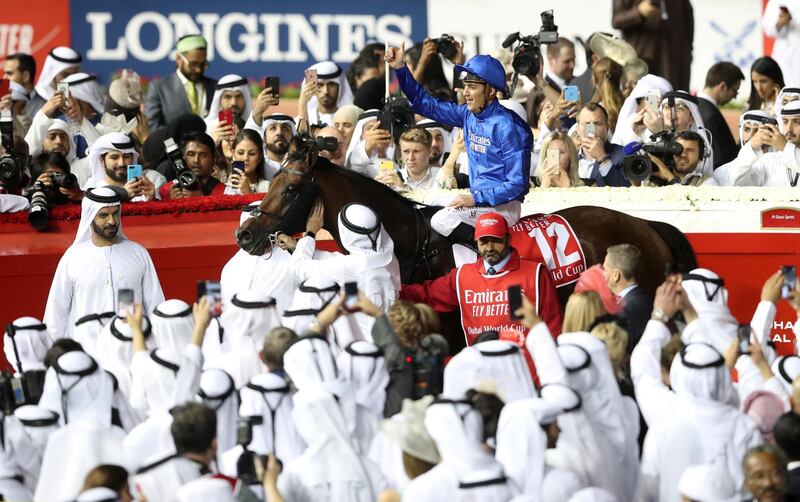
291 189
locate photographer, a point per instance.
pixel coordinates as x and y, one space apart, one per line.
428 69
753 146
52 173
686 170
198 156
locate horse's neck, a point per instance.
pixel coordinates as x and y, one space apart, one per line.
397 214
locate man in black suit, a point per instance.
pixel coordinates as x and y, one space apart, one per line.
722 85
599 161
620 270
787 436
185 91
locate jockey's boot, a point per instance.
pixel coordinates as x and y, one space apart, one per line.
464 234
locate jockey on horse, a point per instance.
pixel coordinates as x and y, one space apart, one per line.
499 144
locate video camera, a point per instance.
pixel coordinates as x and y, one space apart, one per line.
637 166
20 388
10 170
322 143
245 465
446 45
527 57
185 178
396 116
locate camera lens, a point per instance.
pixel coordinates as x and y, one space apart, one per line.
636 167
8 168
38 214
187 179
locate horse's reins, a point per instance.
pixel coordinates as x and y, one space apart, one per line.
272 238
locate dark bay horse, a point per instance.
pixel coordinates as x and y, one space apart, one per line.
422 253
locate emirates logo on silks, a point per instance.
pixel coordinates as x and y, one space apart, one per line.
489 222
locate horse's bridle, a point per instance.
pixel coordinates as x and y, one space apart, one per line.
272 238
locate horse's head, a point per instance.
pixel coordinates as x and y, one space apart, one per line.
288 202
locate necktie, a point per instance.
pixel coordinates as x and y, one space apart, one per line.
491 271
192 95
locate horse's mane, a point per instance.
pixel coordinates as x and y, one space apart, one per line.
383 191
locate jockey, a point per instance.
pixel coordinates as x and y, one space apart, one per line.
499 144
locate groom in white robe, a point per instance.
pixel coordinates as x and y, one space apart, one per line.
99 263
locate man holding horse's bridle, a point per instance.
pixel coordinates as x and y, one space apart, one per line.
499 143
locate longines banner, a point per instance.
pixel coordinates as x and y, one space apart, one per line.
249 37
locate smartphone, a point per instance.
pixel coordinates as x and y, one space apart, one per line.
5 87
63 88
19 391
124 302
350 296
789 280
311 76
653 101
515 300
273 83
457 82
244 431
386 165
671 269
226 116
572 93
134 172
589 131
238 165
213 293
552 156
743 334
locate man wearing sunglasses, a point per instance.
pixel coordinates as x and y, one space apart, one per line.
187 90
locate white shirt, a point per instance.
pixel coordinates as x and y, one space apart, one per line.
272 276
772 169
428 181
624 292
586 165
88 278
201 93
705 96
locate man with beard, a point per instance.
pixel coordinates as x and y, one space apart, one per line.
442 142
198 156
480 289
185 91
687 170
277 130
319 101
765 474
781 167
232 92
100 263
109 158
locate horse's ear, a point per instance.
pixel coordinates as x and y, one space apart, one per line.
313 154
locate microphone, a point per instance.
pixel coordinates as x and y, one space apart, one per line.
632 147
510 40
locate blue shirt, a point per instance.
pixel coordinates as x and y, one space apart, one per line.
498 267
498 142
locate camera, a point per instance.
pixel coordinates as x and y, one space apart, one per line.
10 171
527 58
396 117
60 180
637 166
17 390
324 143
39 211
245 465
447 46
185 178
428 366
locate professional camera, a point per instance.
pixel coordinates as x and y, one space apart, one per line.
323 143
39 211
185 178
447 46
68 181
245 465
637 165
527 57
18 390
396 116
428 366
10 171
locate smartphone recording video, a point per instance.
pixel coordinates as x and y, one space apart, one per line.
743 335
124 302
350 297
789 280
514 302
213 293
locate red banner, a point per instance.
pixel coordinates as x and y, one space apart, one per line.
33 27
780 217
